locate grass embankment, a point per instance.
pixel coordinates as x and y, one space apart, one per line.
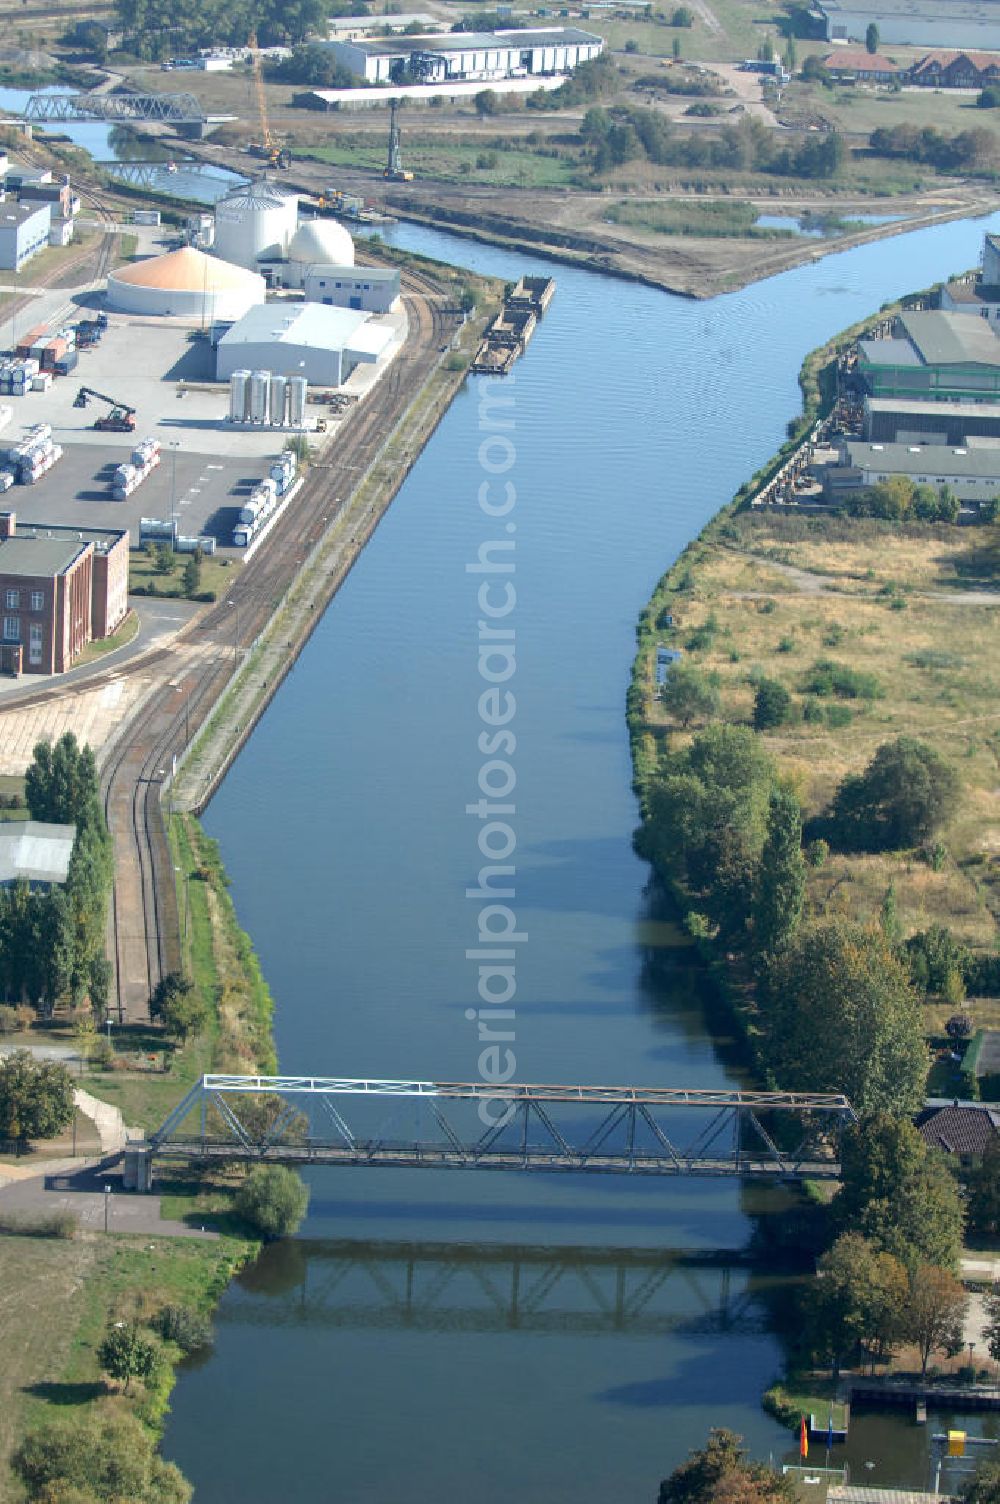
60 1296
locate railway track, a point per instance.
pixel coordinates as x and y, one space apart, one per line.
144 931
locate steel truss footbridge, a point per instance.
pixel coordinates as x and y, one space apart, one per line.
114 109
665 1131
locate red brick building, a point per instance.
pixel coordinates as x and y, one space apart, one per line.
956 70
60 588
860 66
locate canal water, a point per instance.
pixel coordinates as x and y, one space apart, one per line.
418 1338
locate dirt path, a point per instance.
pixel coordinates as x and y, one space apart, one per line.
809 583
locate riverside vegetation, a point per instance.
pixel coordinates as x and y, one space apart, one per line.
816 780
99 1323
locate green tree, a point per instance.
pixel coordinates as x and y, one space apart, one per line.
722 1470
127 1354
675 49
991 1329
688 695
889 916
488 102
984 1197
706 818
984 1485
855 1302
184 1013
273 1200
900 1194
682 16
61 784
780 890
872 38
36 1097
934 1312
937 962
907 792
841 1015
771 706
791 57
163 558
192 574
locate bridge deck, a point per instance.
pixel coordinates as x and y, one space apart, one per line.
430 1157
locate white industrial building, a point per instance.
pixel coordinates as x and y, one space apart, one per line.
344 28
321 343
485 57
919 23
24 230
981 294
185 284
372 289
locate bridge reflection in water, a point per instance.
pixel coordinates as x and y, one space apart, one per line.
484 1287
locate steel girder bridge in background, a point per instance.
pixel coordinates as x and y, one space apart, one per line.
666 1131
443 1287
114 109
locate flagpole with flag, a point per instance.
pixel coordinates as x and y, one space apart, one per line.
803 1439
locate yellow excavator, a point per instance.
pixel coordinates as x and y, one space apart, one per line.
267 147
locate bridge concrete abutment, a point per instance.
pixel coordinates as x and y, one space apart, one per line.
137 1172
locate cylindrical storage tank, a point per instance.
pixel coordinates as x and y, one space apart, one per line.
277 400
268 487
207 544
186 545
255 220
241 537
298 386
250 511
156 527
260 390
239 396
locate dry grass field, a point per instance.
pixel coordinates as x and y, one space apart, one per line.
905 605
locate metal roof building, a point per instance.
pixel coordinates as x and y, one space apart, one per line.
945 357
483 56
34 852
920 23
973 474
314 340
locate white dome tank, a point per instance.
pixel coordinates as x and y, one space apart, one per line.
254 221
321 242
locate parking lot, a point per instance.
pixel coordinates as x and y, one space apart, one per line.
207 467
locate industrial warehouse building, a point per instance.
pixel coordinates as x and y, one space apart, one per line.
918 23
60 588
945 357
185 284
457 56
35 852
321 343
972 473
24 230
371 289
902 420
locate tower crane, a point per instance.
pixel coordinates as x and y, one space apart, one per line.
276 156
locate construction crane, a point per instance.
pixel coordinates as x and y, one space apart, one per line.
276 156
394 162
121 418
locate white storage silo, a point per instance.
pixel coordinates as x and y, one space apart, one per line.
277 399
298 386
239 396
253 221
260 387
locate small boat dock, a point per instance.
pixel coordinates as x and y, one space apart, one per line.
508 335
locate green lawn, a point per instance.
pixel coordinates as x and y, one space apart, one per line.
216 574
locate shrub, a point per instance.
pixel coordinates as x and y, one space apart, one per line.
107 1456
827 678
62 1225
959 1026
812 712
188 1328
689 695
937 962
273 1200
838 716
8 1018
772 705
816 853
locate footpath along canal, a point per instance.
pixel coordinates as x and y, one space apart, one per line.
435 1332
